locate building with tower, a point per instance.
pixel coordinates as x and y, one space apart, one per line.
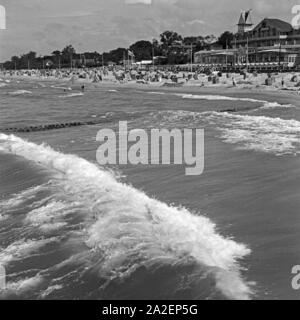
245 23
272 42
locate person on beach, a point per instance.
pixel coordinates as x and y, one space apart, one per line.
233 82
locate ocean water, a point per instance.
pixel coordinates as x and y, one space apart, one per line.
71 229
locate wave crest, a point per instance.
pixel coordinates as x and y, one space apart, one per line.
129 228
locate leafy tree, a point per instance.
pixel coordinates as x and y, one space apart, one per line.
68 52
190 40
56 53
15 61
116 55
143 50
31 55
226 39
167 38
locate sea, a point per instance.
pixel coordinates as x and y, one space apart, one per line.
73 229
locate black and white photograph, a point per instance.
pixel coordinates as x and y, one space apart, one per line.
149 151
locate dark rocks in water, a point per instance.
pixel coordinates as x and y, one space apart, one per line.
55 126
229 110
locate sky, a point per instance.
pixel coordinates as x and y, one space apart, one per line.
100 25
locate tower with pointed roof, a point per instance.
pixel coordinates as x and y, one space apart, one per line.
245 23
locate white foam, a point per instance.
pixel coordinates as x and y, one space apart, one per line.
62 88
19 92
157 92
275 105
72 95
50 290
218 97
19 199
23 285
265 104
132 229
259 133
49 217
22 248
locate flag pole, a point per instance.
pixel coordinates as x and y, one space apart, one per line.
124 60
191 57
153 53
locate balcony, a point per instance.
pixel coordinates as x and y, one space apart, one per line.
269 38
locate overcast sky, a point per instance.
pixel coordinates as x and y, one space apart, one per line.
46 25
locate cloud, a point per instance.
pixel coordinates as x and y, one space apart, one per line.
44 25
196 21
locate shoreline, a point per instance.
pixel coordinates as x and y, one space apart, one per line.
272 93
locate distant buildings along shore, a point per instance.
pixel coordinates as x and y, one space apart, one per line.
271 42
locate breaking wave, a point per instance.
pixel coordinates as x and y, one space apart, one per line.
275 105
124 224
62 88
265 104
22 248
23 285
19 92
72 95
157 92
259 133
217 97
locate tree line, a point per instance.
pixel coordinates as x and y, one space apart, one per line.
172 48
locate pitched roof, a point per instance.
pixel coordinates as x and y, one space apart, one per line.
280 25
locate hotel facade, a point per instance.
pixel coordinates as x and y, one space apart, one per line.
272 42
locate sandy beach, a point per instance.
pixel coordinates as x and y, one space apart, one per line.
253 85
